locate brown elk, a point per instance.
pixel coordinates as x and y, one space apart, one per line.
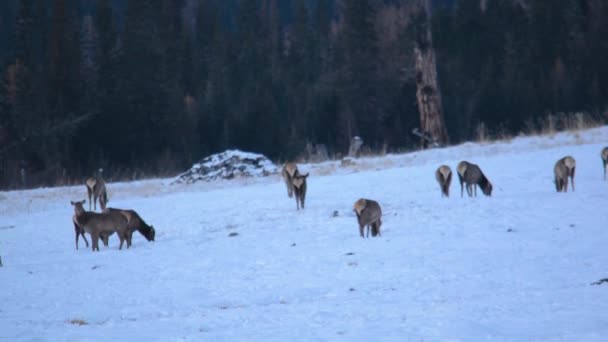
470 174
78 209
564 169
96 188
299 188
289 171
460 169
77 228
444 178
369 214
134 222
100 224
605 159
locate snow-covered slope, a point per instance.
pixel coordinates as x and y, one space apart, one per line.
514 267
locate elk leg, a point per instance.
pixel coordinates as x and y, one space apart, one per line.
289 188
80 231
95 241
376 229
361 231
461 186
105 238
572 177
129 238
77 230
121 236
84 238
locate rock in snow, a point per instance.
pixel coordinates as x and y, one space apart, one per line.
227 165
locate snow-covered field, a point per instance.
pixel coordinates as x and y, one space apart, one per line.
517 266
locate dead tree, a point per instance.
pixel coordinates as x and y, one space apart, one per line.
428 94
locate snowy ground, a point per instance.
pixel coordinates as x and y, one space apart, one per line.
514 267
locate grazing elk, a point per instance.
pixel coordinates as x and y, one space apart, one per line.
299 188
99 225
96 188
444 178
605 159
369 215
563 169
134 222
289 171
470 174
460 169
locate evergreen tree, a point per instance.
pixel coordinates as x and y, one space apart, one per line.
360 109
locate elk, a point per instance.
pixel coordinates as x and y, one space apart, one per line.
444 178
299 188
134 222
605 159
471 175
100 224
369 215
563 169
79 229
289 171
460 169
96 188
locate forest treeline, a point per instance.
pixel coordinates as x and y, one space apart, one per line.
144 87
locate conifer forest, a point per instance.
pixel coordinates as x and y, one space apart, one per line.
144 88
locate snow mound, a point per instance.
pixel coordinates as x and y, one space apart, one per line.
227 165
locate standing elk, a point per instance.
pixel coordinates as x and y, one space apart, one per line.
134 222
444 178
470 174
100 224
605 159
79 230
299 188
564 169
96 188
289 171
369 215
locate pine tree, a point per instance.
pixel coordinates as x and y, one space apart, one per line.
357 79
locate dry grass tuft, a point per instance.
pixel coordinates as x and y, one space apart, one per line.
550 125
77 321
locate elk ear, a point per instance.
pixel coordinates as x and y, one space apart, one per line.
83 201
72 202
304 176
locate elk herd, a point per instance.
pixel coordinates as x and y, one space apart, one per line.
124 222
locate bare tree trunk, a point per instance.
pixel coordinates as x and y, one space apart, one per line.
428 93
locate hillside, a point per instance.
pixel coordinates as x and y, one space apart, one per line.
517 266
